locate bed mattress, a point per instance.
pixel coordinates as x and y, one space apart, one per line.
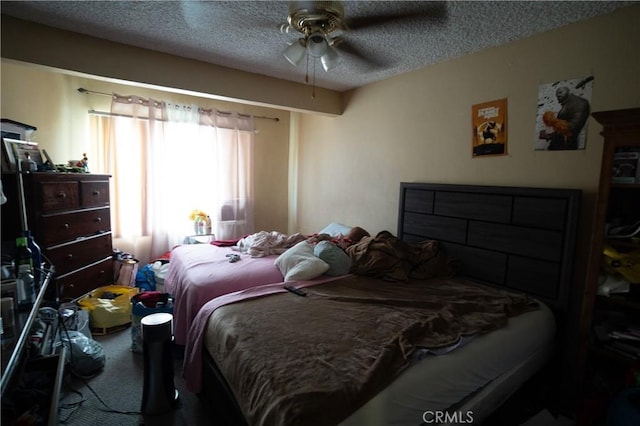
472 380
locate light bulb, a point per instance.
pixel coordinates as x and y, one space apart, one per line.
317 45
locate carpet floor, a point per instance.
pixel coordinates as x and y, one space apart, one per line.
114 396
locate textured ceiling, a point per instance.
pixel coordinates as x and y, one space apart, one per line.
244 34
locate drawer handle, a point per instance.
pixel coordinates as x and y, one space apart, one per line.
65 226
98 219
96 192
70 256
62 195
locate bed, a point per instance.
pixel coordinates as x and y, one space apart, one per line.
396 349
198 273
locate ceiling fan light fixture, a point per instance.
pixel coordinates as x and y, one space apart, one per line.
330 59
295 52
316 21
317 45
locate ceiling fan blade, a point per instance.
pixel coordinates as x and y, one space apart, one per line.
431 11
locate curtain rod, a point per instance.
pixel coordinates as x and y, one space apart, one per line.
93 92
111 114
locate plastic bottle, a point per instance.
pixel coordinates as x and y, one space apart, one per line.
24 274
23 255
207 226
36 257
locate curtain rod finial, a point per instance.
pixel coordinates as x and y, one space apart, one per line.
83 90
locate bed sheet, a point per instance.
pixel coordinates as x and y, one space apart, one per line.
200 272
192 365
359 289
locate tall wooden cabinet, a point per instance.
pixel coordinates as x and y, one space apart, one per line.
69 217
617 204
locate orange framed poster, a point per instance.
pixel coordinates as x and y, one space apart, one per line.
489 121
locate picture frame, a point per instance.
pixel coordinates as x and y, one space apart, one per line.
562 115
15 130
489 128
14 150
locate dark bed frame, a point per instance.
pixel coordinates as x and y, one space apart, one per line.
516 238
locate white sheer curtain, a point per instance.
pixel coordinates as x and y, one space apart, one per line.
167 160
234 185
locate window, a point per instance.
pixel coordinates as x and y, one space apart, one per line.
167 160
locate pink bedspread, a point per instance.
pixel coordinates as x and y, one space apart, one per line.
192 366
200 272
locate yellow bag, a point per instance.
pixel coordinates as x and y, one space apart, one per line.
626 264
109 306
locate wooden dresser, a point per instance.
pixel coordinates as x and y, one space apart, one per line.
69 217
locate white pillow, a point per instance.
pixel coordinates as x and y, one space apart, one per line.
335 229
299 263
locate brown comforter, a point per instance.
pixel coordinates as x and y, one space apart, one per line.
313 360
386 256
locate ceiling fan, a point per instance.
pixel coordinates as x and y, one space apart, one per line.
316 21
322 24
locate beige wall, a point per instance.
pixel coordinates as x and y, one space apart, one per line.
50 101
38 44
417 127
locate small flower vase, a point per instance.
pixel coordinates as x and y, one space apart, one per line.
198 226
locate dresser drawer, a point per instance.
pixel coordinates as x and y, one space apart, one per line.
77 283
76 254
94 193
65 227
55 196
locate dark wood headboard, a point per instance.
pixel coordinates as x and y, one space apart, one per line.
519 238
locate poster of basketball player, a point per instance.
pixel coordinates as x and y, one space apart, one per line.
489 121
562 115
